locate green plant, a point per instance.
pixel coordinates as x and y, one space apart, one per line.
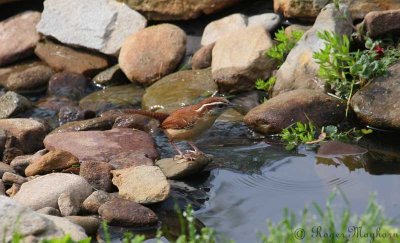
298 133
65 239
266 85
284 45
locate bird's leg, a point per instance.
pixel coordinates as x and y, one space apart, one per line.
176 148
196 149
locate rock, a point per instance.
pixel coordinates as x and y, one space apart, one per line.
68 204
378 23
74 113
332 149
2 188
95 200
100 25
20 163
53 103
178 10
310 9
300 69
14 189
380 94
116 97
49 211
64 58
18 37
28 133
3 140
89 223
102 146
69 85
76 232
125 213
178 89
268 20
5 168
111 75
48 188
142 184
98 174
176 169
246 61
5 72
221 27
137 121
30 80
127 160
98 123
11 103
152 53
296 27
55 160
301 105
11 178
203 57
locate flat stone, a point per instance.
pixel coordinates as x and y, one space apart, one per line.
176 169
18 37
55 160
100 25
142 184
69 85
98 174
301 105
125 213
178 89
11 103
152 53
102 146
63 58
221 27
96 199
98 123
378 23
44 191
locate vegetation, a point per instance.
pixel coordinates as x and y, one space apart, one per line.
266 85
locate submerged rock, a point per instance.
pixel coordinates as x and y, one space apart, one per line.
69 85
336 149
175 169
301 105
100 25
11 103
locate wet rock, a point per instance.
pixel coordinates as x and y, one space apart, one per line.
98 123
68 204
137 121
11 178
246 61
55 103
98 174
89 223
11 103
13 190
5 168
30 80
116 97
20 163
76 232
5 72
18 37
64 58
129 159
381 94
69 85
142 184
48 188
111 75
74 113
268 20
302 105
335 149
378 23
100 25
178 89
152 53
121 212
49 211
28 133
221 27
101 146
96 199
178 10
310 9
203 57
2 188
176 169
300 69
55 160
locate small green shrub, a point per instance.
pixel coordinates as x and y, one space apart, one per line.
284 45
266 85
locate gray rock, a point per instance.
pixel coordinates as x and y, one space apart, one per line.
176 169
11 103
100 25
96 199
268 20
20 163
76 232
300 69
109 76
5 168
68 204
47 189
89 223
49 211
11 178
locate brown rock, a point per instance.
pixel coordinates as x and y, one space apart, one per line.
137 121
203 57
64 58
129 159
70 85
121 212
11 178
301 105
378 23
53 161
20 163
30 80
152 53
94 124
98 174
5 168
18 36
96 199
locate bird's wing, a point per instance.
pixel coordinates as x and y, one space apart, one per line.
180 120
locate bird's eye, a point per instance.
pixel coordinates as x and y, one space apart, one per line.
220 106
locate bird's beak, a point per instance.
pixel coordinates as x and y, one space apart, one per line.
232 105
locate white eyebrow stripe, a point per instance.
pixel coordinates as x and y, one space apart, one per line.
210 104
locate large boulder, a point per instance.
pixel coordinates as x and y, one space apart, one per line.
18 36
102 146
378 103
300 69
238 59
152 53
179 9
100 25
301 105
44 191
